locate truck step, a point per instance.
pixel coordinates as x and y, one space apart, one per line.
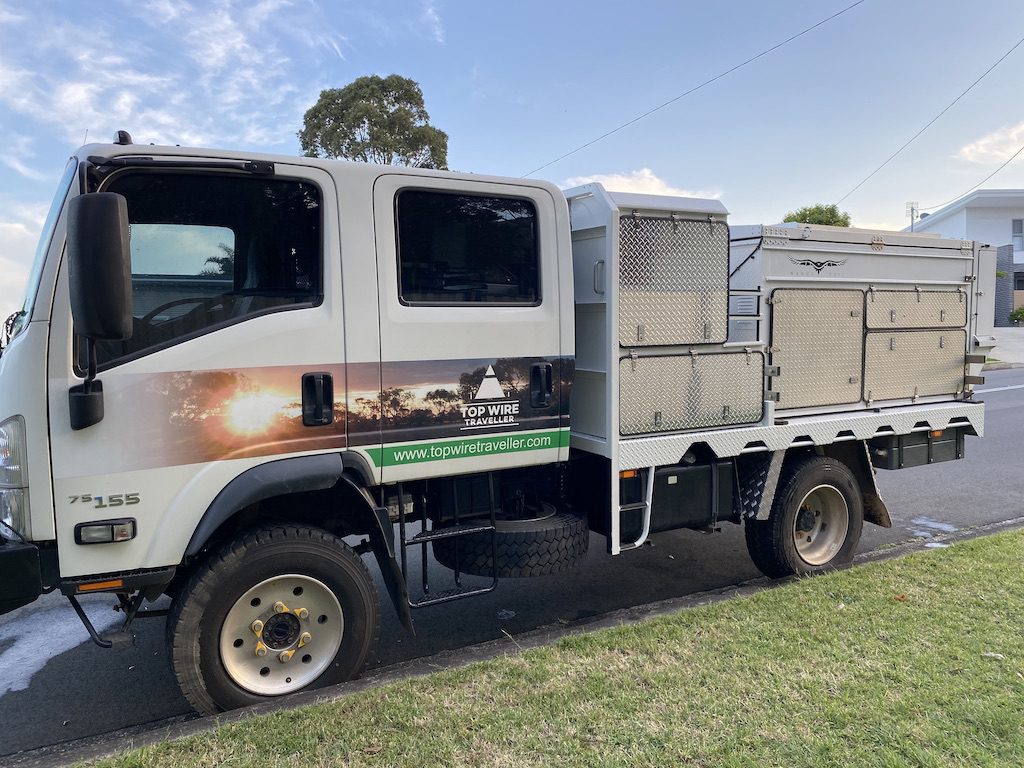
448 532
450 594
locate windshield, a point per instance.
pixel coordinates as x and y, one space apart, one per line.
18 320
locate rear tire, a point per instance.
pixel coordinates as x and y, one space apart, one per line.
815 522
275 611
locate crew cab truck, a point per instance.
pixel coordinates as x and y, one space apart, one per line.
235 377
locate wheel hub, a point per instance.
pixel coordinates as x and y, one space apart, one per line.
821 525
281 635
281 631
805 520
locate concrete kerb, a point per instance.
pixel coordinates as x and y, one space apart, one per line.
1009 349
173 729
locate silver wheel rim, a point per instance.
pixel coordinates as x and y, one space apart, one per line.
281 635
821 524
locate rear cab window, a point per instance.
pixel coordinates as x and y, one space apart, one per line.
466 249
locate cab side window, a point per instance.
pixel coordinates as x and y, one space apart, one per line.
456 249
212 250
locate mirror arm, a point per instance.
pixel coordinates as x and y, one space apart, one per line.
90 374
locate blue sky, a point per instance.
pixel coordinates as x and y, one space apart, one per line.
515 85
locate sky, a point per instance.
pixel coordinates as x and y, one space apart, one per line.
517 85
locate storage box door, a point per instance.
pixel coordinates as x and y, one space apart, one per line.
673 281
907 364
679 392
916 309
817 342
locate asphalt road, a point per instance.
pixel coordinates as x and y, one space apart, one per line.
56 686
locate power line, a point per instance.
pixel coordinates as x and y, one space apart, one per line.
929 123
997 170
650 112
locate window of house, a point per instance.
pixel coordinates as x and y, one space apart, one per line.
212 250
466 249
1018 234
1018 281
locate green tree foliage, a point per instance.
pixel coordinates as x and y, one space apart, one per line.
820 214
375 120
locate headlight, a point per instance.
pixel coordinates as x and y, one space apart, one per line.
14 476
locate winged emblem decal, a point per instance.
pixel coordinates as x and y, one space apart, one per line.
818 265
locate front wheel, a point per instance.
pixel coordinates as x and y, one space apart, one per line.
815 522
275 611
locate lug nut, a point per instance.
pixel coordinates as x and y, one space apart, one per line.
286 656
305 638
280 607
302 613
261 650
257 626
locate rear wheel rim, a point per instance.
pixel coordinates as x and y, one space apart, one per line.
821 524
281 635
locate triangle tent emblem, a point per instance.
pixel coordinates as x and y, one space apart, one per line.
490 389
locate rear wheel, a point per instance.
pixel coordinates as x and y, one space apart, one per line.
815 522
275 611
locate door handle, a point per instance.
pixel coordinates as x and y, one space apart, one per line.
541 385
317 399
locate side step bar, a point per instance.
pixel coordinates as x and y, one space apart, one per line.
455 531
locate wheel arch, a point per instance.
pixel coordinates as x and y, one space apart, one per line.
339 478
758 478
283 477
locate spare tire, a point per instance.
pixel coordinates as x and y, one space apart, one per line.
551 542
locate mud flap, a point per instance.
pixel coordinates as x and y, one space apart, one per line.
858 459
384 550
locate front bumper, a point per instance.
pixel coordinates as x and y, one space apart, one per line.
21 580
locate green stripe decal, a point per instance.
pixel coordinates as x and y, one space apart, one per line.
471 448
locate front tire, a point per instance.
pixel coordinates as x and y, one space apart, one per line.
815 522
275 611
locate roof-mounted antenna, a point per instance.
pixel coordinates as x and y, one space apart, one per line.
123 137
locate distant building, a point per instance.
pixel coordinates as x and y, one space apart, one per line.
993 216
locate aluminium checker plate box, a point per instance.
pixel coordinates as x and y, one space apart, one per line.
916 309
906 364
680 392
817 342
673 281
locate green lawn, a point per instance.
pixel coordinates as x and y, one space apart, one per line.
917 661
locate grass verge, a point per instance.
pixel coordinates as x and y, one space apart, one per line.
914 661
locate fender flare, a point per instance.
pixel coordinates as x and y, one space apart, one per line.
275 478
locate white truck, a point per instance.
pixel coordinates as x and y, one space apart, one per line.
234 376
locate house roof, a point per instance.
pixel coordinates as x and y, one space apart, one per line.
979 198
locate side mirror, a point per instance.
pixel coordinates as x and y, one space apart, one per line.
100 276
99 266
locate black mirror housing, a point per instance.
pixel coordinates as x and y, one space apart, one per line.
99 266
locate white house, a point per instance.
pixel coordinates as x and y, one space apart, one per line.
993 216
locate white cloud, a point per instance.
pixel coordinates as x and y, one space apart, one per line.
19 152
994 147
432 19
7 16
218 74
166 10
17 165
886 226
642 181
19 231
